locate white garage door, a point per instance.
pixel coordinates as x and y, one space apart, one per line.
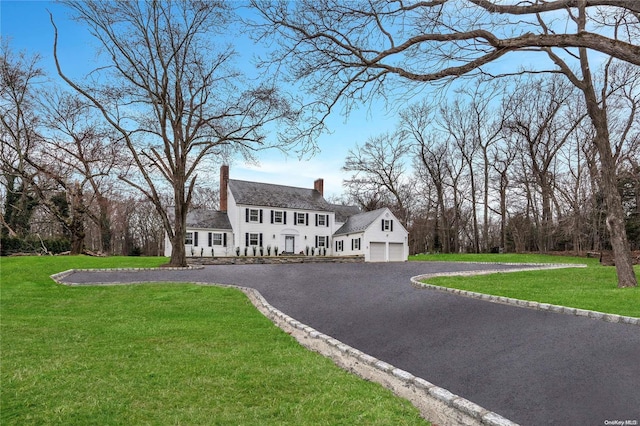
377 252
396 252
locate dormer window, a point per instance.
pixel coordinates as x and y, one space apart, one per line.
387 225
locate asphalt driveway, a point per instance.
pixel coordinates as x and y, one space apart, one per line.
532 367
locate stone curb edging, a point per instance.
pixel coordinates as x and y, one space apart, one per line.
435 404
417 282
59 277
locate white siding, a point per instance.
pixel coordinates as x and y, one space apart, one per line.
374 234
274 234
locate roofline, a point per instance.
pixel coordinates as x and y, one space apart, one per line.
275 184
284 208
382 209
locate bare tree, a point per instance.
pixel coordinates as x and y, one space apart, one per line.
378 168
540 125
172 95
20 76
353 51
87 149
431 163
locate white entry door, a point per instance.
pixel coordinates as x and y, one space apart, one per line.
289 245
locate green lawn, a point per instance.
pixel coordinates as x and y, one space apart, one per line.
162 354
593 288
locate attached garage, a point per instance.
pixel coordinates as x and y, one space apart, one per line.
377 252
377 235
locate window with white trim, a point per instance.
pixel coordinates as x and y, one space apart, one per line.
355 244
387 225
322 241
216 239
254 239
254 215
300 218
339 245
278 217
188 238
322 220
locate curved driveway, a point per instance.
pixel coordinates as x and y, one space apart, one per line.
532 367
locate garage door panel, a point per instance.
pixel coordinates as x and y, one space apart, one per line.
377 252
396 252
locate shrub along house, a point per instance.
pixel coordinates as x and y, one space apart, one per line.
266 219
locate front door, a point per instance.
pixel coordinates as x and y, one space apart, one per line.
289 243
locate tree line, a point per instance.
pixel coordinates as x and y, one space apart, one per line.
538 156
507 167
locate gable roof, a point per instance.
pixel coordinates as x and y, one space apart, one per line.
270 195
344 212
208 219
360 222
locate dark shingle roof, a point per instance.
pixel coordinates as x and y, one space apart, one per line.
208 219
270 195
344 212
359 222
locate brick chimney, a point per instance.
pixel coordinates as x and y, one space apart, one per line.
224 182
318 185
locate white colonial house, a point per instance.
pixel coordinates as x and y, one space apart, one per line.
265 219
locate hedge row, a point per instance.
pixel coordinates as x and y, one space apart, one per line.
9 245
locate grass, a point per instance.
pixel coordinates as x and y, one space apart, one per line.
594 288
503 258
162 354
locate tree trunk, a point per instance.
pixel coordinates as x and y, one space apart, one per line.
178 250
615 215
615 211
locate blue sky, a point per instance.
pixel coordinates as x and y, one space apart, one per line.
27 25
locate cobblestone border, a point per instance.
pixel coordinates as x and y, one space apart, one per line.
436 404
417 282
59 277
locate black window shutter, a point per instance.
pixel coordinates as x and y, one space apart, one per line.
260 215
326 222
246 215
391 223
209 239
295 218
307 219
284 218
383 224
246 239
352 244
316 219
260 245
195 238
224 239
316 241
271 216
